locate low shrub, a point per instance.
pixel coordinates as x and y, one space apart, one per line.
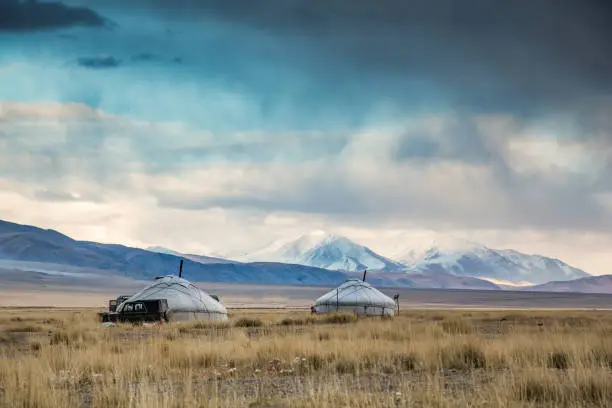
248 322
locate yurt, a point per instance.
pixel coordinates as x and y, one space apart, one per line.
184 300
356 296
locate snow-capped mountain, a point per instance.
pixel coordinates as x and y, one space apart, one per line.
323 250
444 263
505 266
441 254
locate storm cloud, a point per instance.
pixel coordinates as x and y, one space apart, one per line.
339 64
520 55
29 15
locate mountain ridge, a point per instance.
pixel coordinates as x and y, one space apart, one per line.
309 260
589 284
458 257
33 250
193 257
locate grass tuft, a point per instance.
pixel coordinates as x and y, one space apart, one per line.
559 360
248 322
339 318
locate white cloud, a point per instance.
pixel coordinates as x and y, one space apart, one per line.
543 153
141 223
103 177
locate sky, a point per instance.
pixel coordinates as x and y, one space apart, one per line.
212 127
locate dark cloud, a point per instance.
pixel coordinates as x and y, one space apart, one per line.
145 56
311 192
419 146
99 62
342 64
524 55
457 139
531 203
17 15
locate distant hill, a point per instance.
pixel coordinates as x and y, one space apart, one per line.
31 244
591 284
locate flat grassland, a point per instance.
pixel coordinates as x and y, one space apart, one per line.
422 358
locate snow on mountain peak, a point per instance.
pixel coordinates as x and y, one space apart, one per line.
435 253
323 249
317 238
454 244
434 247
478 261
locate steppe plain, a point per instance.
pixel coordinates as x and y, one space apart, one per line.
445 349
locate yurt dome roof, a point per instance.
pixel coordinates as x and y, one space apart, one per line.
355 292
181 295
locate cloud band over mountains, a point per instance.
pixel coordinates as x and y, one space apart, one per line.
505 184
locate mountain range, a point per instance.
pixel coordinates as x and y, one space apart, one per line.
30 250
318 258
443 255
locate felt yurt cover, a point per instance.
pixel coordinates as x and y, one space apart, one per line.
185 300
356 296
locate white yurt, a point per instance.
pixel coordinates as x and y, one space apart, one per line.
356 296
185 300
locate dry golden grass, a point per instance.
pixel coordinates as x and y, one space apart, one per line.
65 358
